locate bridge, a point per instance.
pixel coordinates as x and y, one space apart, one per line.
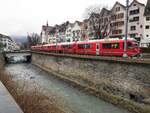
24 54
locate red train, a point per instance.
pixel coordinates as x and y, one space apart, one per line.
103 47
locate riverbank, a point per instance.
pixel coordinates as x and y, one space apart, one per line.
113 82
30 96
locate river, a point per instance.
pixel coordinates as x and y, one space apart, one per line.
78 101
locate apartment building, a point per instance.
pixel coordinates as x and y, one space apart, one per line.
45 33
117 24
69 35
136 20
76 31
104 29
7 43
145 42
93 25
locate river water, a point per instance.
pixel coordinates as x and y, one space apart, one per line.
78 101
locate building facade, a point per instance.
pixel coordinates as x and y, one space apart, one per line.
7 44
136 20
105 21
76 31
145 42
69 34
117 18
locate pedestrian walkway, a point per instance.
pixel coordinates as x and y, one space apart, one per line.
7 103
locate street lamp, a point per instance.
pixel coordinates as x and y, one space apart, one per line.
126 33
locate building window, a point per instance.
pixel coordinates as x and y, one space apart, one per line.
133 28
147 18
121 15
134 4
134 19
147 27
133 35
147 35
117 9
117 32
134 12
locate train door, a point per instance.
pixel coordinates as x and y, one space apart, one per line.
97 48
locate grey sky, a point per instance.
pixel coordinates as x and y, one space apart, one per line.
21 16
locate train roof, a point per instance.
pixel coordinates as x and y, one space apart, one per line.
65 43
88 41
105 40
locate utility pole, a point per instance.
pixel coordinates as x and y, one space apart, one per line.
126 33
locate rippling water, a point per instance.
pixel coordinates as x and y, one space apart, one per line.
78 101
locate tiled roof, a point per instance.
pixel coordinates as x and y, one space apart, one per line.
135 1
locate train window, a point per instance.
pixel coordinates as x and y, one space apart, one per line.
129 45
84 46
115 45
107 46
87 46
67 46
81 46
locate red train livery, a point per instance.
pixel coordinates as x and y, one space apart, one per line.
103 47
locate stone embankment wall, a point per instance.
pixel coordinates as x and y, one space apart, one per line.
126 80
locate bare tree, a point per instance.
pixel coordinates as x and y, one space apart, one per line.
98 20
33 39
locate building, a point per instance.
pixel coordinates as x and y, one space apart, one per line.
136 20
104 29
93 25
76 31
7 44
69 34
146 34
117 24
45 33
84 30
62 32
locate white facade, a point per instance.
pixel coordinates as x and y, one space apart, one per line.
146 33
145 42
69 34
76 31
136 20
118 21
8 43
43 36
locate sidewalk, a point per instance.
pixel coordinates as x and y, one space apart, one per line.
7 103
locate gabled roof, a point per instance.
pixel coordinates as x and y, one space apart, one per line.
118 3
147 8
4 36
105 11
135 1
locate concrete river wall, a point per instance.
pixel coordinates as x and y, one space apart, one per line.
124 84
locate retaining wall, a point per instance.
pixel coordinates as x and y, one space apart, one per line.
126 80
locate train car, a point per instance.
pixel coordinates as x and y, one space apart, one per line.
115 47
88 47
68 47
103 47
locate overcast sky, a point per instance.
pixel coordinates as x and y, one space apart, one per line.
21 16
